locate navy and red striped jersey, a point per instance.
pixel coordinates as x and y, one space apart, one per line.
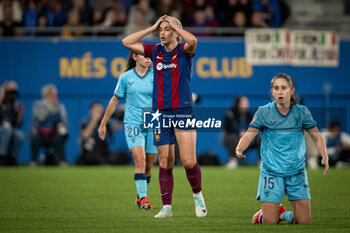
172 73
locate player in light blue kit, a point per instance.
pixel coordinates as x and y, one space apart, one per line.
282 124
135 86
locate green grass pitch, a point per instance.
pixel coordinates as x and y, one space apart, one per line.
101 199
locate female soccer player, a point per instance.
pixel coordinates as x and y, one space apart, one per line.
281 124
135 86
172 98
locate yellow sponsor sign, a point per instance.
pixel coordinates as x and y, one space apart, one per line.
88 67
230 67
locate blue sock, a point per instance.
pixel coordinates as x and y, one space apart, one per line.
141 184
148 181
288 217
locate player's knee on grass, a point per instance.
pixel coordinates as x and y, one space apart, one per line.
269 219
302 220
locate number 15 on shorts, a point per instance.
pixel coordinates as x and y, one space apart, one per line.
269 182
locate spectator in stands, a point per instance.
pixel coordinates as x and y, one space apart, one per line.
338 145
11 117
15 8
102 5
73 21
97 17
43 26
175 13
204 18
112 18
139 23
257 21
189 16
84 9
239 21
144 5
164 7
236 122
270 10
94 150
10 18
49 127
233 6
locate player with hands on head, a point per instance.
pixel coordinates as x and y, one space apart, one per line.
282 124
135 86
172 96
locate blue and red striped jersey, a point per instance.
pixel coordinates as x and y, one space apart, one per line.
172 73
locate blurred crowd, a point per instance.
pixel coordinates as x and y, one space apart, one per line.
134 15
49 131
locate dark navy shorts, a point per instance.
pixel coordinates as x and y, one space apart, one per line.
181 118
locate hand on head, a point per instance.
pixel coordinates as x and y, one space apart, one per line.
156 25
171 20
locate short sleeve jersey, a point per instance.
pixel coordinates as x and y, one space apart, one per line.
283 144
137 92
172 73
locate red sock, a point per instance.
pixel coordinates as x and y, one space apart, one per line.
166 183
194 176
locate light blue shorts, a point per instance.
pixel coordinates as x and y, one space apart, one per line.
137 136
272 188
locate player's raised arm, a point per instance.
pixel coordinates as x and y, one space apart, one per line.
321 147
245 141
190 39
132 41
109 111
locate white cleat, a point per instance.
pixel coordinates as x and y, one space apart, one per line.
201 209
165 212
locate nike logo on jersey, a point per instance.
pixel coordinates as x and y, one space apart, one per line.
158 57
174 57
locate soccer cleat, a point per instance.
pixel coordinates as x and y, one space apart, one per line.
201 209
137 202
281 211
256 216
144 204
165 212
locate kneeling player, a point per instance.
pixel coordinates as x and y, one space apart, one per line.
282 124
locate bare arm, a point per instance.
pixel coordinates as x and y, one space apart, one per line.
132 41
245 141
109 111
191 40
321 147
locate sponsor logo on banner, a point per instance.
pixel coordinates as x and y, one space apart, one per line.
293 47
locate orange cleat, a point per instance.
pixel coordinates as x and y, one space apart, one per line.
144 204
256 216
137 202
282 209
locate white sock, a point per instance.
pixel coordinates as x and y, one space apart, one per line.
198 194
